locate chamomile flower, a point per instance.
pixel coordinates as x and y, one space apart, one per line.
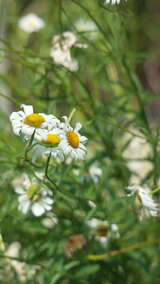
64 41
95 173
60 51
49 144
113 2
32 195
26 121
145 199
72 142
31 23
101 230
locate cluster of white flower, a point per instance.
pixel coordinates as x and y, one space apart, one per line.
113 2
31 23
61 44
149 207
94 173
33 194
61 50
51 135
103 230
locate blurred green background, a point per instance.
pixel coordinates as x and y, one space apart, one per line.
116 94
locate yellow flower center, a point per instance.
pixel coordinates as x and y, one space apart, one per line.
33 192
52 140
102 231
31 24
73 139
34 120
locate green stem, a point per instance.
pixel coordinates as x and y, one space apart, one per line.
9 99
47 165
155 190
71 115
28 148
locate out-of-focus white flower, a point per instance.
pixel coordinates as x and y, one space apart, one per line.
115 230
26 121
101 227
103 230
64 41
50 221
95 173
13 250
60 51
87 27
72 142
113 2
31 23
145 198
32 195
49 144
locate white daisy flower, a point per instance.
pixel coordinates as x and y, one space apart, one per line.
64 41
101 230
145 198
113 2
31 23
32 195
72 143
49 144
60 51
95 173
26 121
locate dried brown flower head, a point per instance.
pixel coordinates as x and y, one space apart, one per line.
74 243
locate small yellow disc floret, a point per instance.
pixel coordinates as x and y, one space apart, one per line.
34 120
52 140
73 139
33 192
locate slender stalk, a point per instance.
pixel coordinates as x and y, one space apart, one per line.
71 115
122 251
47 165
28 148
155 190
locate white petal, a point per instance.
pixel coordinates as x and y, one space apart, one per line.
28 109
37 209
16 130
22 198
78 126
47 206
24 206
93 222
28 130
19 115
48 200
19 190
